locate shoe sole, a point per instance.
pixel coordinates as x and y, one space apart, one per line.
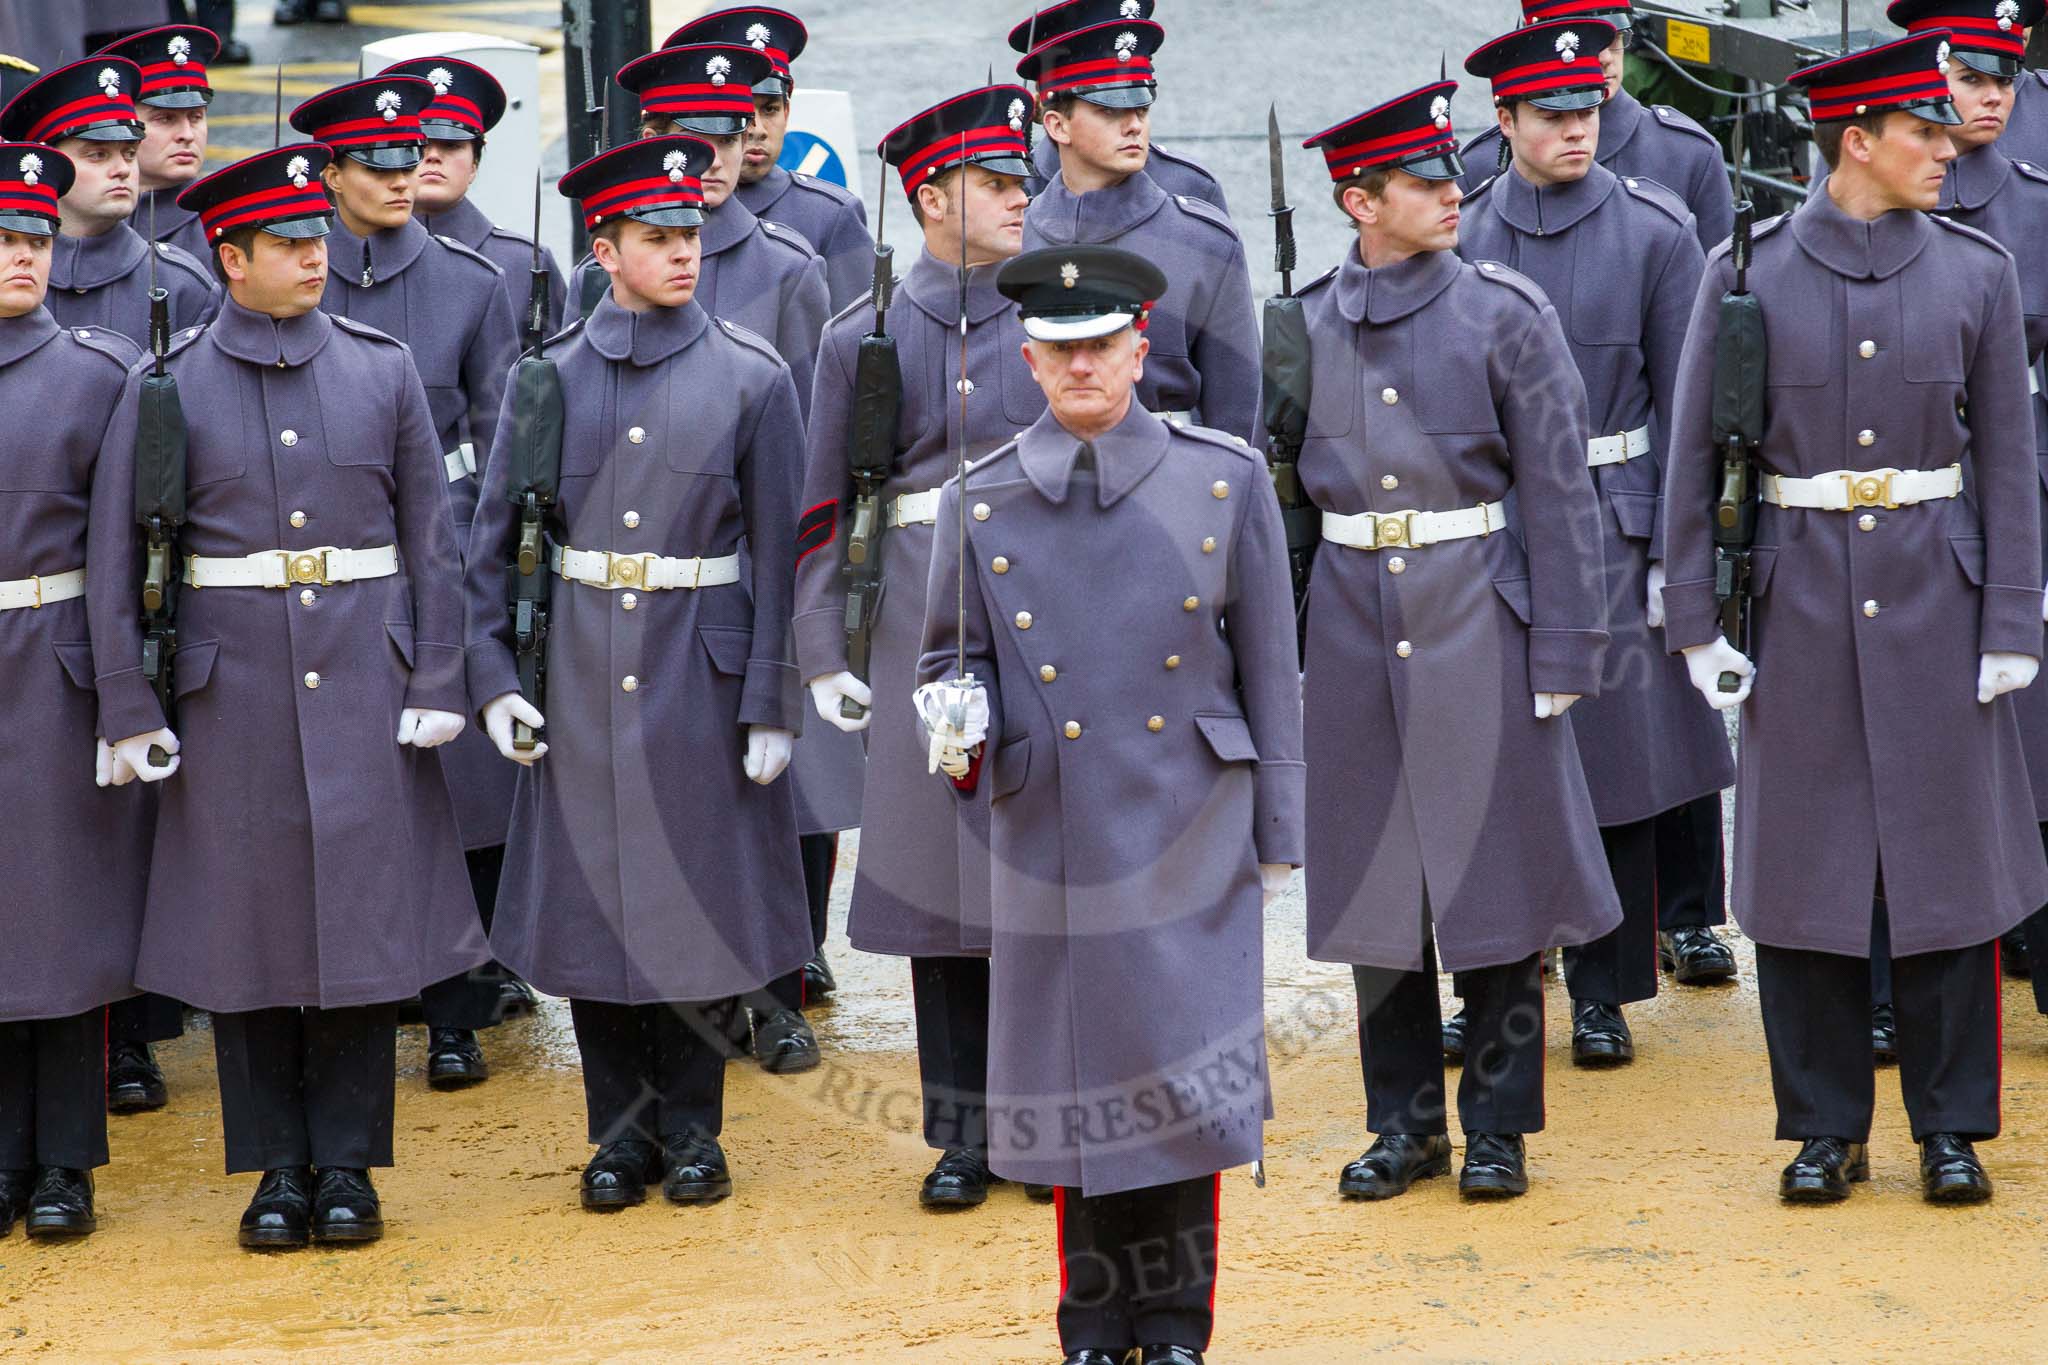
1958 1192
351 1237
702 1192
456 1082
272 1241
944 1202
1379 1189
1809 1193
611 1201
59 1232
128 1103
1490 1189
1602 1061
1696 976
794 1066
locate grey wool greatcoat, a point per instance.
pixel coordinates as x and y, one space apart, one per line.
157 212
2026 132
76 861
643 865
1863 740
1138 649
103 282
1172 172
1205 341
511 252
1431 782
302 855
830 219
448 304
1648 142
1617 259
921 889
2007 201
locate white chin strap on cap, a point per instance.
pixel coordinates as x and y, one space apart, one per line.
1077 328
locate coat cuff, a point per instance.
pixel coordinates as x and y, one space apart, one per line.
1692 614
1566 661
492 674
438 681
769 696
1280 811
820 642
128 705
2011 621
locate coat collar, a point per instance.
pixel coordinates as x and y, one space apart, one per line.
463 221
1392 292
643 338
763 193
1975 179
1855 249
388 250
1621 118
26 334
91 262
264 340
1123 456
1103 215
726 226
934 286
1547 210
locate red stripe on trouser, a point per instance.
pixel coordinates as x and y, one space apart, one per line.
1998 1019
1215 1238
1059 1214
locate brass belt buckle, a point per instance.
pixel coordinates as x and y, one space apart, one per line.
1870 490
309 567
36 579
1395 531
626 571
696 574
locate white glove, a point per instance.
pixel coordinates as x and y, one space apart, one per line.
1706 663
768 751
499 713
1550 705
1273 879
955 716
427 729
1998 674
826 691
107 768
134 753
2044 604
1656 602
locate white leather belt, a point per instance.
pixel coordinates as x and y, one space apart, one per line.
1847 490
320 566
913 509
1407 530
1618 449
460 463
647 573
41 590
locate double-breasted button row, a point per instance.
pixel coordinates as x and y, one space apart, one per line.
297 519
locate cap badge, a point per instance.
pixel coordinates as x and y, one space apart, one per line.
1016 116
180 48
1568 45
110 80
31 169
717 67
758 36
298 168
675 163
1130 9
1941 57
1070 275
441 78
1440 112
1126 44
388 102
2008 14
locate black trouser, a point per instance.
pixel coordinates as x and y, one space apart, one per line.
1692 882
652 1071
1816 1009
53 1092
1621 965
1400 1047
820 854
950 997
1138 1268
218 16
471 1000
2035 928
144 1019
307 1087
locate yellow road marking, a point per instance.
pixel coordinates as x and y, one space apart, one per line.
463 16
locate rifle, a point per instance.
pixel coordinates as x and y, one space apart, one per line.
871 450
535 454
159 498
1740 357
1284 380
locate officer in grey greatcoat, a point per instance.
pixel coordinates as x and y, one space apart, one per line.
307 870
654 872
1145 780
76 862
1896 599
172 103
921 888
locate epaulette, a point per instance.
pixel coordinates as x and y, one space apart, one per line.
462 249
1762 230
1236 445
2031 171
749 338
568 331
864 304
786 235
1493 272
1317 283
1007 447
1208 212
184 260
1679 122
509 235
838 194
1483 138
1974 234
1168 154
1481 188
364 329
1651 192
111 344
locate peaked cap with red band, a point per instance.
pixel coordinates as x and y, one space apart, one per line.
1411 133
32 179
278 191
172 61
93 99
1051 22
468 101
1619 13
986 127
776 34
1910 75
1554 65
376 122
1105 64
703 87
654 181
1988 35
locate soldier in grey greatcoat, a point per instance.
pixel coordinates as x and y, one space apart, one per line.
76 863
1095 86
172 104
1145 780
307 871
921 889
1455 613
653 873
1896 599
1616 255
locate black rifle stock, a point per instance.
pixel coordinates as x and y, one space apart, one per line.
1741 354
871 450
534 449
159 504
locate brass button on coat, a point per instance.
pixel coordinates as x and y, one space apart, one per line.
298 519
1156 724
307 597
1389 397
1073 729
1866 437
1867 350
632 519
1173 661
1023 620
1870 607
1397 565
981 511
1208 545
627 601
1866 522
1404 649
1047 673
288 436
1190 603
312 680
629 683
1389 482
1220 489
637 435
1001 564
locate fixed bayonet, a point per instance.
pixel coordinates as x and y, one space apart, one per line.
1282 212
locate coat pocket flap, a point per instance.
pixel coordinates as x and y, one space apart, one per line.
1636 513
77 662
1229 736
1970 555
1011 766
1514 592
729 647
193 666
401 636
